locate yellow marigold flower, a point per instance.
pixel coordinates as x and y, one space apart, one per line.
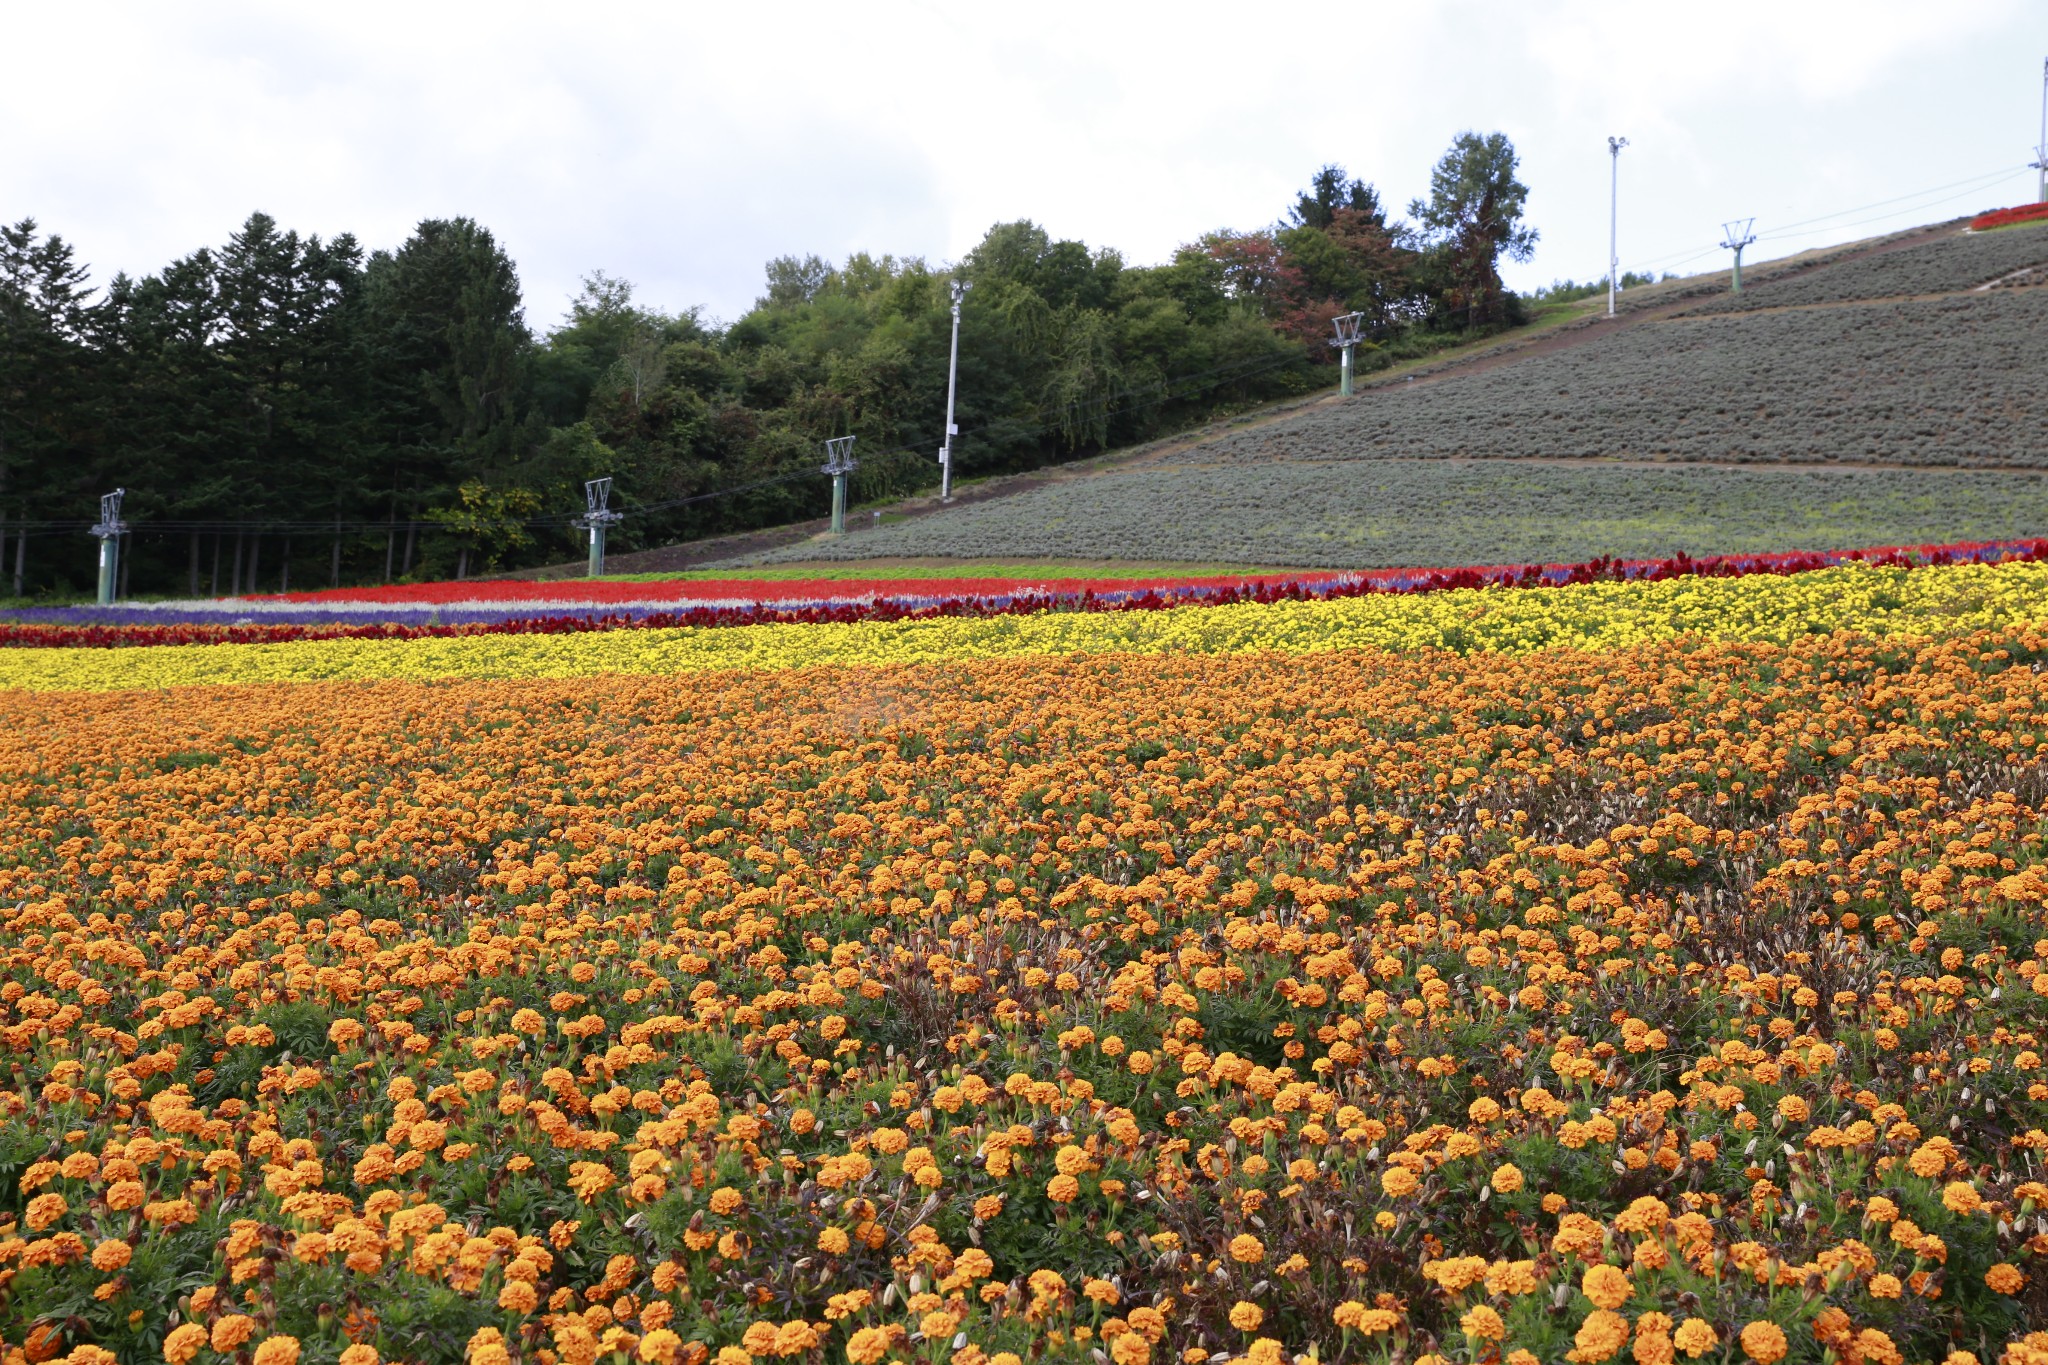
518 1296
1763 1342
1507 1178
1398 1181
1246 1317
1247 1249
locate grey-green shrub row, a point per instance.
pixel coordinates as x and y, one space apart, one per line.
1939 267
1360 515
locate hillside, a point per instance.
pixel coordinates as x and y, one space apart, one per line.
1883 394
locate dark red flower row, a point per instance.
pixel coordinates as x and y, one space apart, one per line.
1421 581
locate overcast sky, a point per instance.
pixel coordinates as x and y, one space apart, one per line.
681 146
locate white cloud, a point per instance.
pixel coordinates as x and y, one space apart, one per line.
681 146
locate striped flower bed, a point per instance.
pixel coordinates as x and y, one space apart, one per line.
315 616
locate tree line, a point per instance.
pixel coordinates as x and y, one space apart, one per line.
286 411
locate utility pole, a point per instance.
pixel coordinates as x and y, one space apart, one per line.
1614 146
598 514
839 463
109 531
1348 328
960 288
1734 237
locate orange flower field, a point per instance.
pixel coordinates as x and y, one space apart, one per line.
1685 1000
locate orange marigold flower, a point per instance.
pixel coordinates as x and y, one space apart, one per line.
1247 1249
111 1255
1599 1337
1246 1317
2005 1278
232 1331
660 1347
278 1350
182 1343
1695 1337
1507 1178
1763 1342
1606 1286
44 1210
1483 1324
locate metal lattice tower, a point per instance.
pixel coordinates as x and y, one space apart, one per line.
597 517
1350 330
839 463
1614 146
109 529
1734 237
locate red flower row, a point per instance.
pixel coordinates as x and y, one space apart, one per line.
1194 592
604 591
2023 213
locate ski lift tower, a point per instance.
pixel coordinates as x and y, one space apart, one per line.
597 516
839 463
109 531
1350 327
1734 237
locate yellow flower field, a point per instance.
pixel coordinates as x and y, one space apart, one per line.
1595 616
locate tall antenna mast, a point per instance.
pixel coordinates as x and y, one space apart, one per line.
839 463
1349 327
960 288
109 530
1734 237
1614 146
597 497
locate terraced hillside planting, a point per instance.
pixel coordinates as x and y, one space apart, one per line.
1815 369
1938 267
1397 512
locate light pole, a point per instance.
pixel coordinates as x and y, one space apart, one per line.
1348 326
2041 147
960 288
109 530
597 496
839 463
1734 237
1614 146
